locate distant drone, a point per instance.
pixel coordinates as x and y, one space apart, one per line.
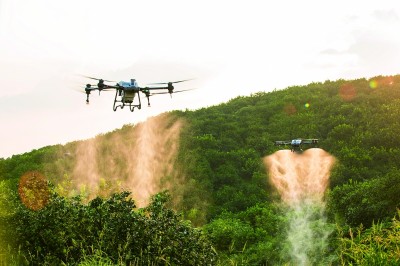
296 144
125 92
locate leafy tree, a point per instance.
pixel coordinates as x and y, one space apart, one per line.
250 237
67 231
366 202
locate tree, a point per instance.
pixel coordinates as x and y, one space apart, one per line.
67 231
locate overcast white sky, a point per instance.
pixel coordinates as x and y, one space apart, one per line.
231 47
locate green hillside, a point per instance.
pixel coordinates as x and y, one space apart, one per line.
211 162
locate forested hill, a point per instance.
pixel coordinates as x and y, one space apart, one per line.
357 121
214 168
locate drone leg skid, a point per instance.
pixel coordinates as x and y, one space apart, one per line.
125 98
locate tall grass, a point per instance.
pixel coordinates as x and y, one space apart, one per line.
377 245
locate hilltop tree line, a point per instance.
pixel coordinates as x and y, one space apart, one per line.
226 193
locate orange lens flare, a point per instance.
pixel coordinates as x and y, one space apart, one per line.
33 190
347 92
290 109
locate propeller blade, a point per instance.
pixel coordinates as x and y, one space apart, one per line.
157 83
86 89
97 78
79 90
183 90
90 86
155 88
166 92
163 83
181 81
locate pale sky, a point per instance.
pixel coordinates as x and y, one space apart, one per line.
231 48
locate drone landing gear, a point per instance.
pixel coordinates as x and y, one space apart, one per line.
87 96
126 99
133 106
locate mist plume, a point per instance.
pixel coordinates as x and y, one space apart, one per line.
301 180
135 158
86 163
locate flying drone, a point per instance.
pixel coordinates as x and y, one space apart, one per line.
127 91
296 144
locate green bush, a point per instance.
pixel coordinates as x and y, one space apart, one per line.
67 231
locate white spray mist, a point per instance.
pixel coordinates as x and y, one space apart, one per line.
301 180
135 159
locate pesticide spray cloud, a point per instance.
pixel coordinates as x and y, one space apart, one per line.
86 163
153 157
136 158
301 180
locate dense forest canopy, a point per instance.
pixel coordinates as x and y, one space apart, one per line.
217 179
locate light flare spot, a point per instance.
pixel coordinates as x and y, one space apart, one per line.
33 190
373 84
347 92
290 109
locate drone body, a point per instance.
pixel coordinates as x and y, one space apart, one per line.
128 93
296 144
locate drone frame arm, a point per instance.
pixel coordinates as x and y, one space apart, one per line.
282 142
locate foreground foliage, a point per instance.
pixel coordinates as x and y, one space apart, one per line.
377 245
251 237
67 231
